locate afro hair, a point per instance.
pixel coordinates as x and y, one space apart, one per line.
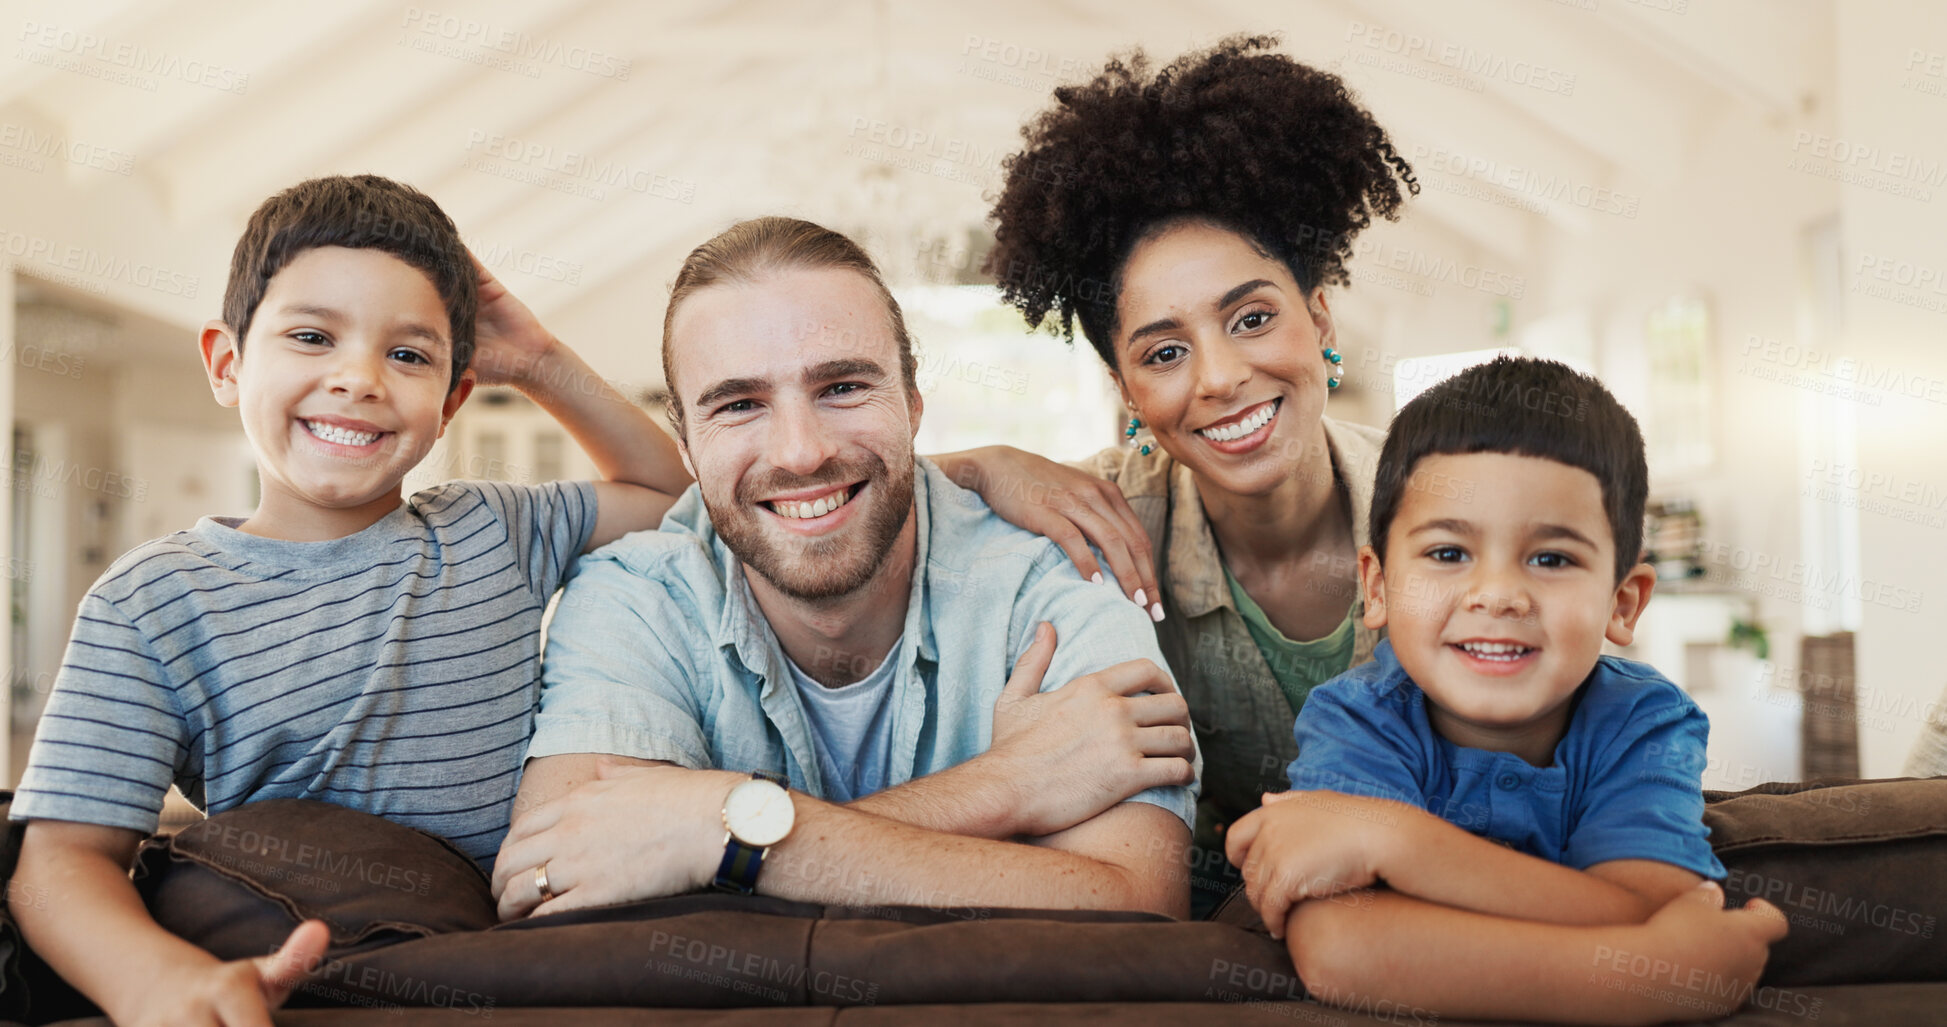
1237 135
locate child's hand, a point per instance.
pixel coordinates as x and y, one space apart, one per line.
1695 955
1308 845
509 342
236 994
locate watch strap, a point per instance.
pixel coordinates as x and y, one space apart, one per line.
738 871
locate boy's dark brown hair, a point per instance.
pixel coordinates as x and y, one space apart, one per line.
356 212
1525 407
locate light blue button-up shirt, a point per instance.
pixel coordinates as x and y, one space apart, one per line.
658 651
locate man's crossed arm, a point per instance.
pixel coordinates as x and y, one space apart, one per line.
611 829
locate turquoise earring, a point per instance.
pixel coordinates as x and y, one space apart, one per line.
1143 444
1338 368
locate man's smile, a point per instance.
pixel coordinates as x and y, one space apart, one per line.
813 509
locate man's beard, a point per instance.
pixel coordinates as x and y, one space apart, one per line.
825 568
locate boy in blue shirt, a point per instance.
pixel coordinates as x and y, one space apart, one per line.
343 642
1489 759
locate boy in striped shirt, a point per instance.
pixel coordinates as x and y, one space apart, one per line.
344 642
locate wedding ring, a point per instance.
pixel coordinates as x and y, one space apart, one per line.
541 882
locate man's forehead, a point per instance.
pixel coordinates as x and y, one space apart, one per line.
779 326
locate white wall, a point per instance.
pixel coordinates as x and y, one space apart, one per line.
1882 106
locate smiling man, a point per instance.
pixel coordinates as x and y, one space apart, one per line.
826 611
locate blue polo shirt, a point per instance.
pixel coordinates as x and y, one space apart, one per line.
1626 781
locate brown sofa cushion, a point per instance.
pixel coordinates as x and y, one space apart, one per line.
1881 847
1860 869
238 882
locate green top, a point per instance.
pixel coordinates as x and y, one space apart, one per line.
1298 666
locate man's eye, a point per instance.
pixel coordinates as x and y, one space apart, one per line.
846 388
1169 354
737 406
310 337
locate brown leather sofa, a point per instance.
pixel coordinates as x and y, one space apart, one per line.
1861 868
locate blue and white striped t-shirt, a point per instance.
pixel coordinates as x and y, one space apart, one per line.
394 670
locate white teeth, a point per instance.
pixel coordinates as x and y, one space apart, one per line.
1242 428
806 510
1501 651
342 436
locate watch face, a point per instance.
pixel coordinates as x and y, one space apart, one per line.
758 813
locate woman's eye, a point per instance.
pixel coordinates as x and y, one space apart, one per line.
1164 355
1253 320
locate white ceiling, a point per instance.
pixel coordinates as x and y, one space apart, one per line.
731 108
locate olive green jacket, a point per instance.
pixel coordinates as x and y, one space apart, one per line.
1242 718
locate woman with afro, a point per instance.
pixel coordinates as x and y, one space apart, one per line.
1190 218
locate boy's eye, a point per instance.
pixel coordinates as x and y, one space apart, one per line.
1446 554
310 337
410 356
1169 354
1552 560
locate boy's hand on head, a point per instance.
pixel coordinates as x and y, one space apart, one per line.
509 342
240 993
1309 845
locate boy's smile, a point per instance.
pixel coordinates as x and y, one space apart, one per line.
1498 593
342 384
